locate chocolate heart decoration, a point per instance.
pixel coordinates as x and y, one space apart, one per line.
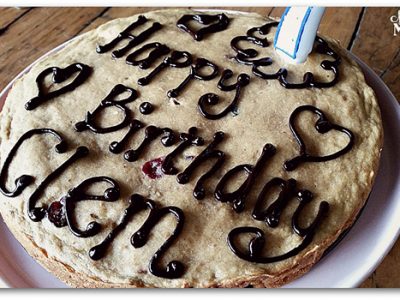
59 76
323 125
216 23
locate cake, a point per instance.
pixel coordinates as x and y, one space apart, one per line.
177 149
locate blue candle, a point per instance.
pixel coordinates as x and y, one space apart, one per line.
296 32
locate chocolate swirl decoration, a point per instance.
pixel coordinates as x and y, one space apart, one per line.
195 73
133 40
25 180
248 57
256 245
59 76
187 139
157 51
177 59
151 133
238 197
138 203
322 125
216 23
208 153
109 101
78 194
36 214
213 99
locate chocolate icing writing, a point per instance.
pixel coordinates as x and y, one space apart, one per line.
177 59
59 76
151 133
264 30
247 57
174 269
213 99
249 52
117 147
158 51
146 108
109 101
216 23
322 125
252 38
271 216
195 73
136 205
238 197
256 245
187 139
208 153
36 214
134 40
23 181
78 194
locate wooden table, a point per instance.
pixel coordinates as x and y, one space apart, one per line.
28 33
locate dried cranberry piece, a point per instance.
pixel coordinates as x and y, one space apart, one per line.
56 214
153 169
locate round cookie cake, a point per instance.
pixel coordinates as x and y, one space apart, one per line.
177 149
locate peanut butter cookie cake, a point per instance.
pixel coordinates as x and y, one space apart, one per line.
177 149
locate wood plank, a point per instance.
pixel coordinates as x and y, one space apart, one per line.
277 11
116 12
338 22
375 43
63 23
9 14
21 44
264 11
387 274
121 12
391 76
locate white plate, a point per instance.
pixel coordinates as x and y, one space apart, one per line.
349 263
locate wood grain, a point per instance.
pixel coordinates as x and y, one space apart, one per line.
391 76
8 15
114 13
378 48
375 43
20 45
340 23
122 12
